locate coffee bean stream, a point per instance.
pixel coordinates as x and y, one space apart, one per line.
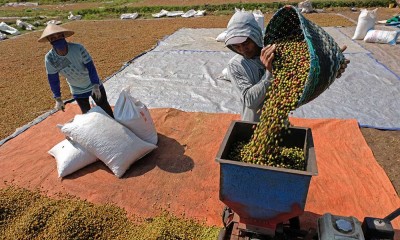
291 66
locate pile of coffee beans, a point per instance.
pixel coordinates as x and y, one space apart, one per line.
27 214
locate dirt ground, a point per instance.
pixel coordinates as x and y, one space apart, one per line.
25 94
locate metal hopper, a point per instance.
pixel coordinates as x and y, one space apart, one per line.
261 195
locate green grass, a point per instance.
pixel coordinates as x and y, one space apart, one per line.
115 8
228 8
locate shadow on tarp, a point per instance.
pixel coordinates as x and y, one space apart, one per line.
89 169
169 157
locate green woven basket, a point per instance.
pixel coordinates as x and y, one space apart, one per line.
326 56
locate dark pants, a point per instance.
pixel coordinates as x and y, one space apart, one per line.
101 102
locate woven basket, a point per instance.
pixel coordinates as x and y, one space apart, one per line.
326 56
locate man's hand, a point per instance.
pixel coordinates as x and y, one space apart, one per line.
59 104
344 64
96 91
267 55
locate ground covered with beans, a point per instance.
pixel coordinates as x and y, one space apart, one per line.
31 215
25 95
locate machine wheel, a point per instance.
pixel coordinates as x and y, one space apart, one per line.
227 216
227 220
294 223
222 234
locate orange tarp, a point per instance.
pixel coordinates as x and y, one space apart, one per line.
182 176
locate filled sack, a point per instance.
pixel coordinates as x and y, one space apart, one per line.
366 22
98 109
221 37
381 36
70 157
134 115
259 16
111 142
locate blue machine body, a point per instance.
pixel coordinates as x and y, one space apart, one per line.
263 195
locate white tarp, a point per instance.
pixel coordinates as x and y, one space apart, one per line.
184 70
367 92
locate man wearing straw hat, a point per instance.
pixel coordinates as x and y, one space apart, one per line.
74 62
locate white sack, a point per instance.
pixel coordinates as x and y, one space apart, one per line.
175 13
111 142
8 29
98 109
129 16
381 36
56 22
133 114
241 10
200 13
259 16
74 17
366 22
189 13
224 75
25 25
16 4
70 157
221 36
162 13
2 36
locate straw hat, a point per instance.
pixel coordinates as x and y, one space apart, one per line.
53 29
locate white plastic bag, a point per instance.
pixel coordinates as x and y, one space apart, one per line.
25 25
111 142
70 157
98 109
366 22
74 17
133 114
259 16
200 13
381 36
224 75
10 30
221 36
189 13
162 13
56 22
129 16
2 36
306 7
175 13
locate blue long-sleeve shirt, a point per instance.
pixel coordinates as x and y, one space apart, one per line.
76 66
54 81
